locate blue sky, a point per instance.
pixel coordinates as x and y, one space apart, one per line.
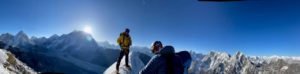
259 27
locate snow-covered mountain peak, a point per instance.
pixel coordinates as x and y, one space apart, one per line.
54 36
7 35
22 39
218 55
7 38
22 34
79 36
239 53
79 33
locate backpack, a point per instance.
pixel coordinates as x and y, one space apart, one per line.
124 40
186 59
174 64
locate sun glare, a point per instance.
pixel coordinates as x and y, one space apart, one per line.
87 29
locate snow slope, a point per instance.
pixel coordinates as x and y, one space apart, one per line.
135 61
10 65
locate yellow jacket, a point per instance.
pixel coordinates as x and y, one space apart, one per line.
124 41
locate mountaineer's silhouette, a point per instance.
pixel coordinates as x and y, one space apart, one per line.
124 42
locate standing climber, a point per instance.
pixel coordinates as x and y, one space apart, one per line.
125 42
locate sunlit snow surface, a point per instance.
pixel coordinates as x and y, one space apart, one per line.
10 65
134 61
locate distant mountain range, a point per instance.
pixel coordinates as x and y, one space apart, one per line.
224 63
73 53
79 53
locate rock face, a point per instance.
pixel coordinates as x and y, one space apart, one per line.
10 65
223 63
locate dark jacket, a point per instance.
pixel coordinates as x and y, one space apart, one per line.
166 62
186 60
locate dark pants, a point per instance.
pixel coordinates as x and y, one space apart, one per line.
122 53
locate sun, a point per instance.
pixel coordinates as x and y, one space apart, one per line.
87 29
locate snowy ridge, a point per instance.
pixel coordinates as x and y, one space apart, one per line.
276 57
20 39
269 59
134 61
224 63
10 65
